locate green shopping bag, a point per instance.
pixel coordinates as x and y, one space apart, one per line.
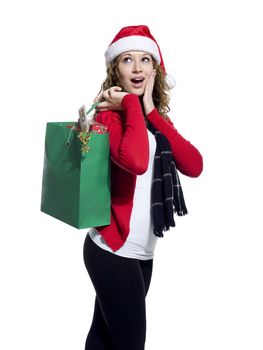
76 185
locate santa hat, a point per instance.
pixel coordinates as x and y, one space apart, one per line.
137 38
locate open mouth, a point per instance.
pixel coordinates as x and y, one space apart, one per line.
137 83
137 80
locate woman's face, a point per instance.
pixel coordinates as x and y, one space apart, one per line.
134 70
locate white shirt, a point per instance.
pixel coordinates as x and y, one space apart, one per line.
141 241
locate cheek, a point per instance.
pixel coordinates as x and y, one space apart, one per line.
123 81
148 77
149 71
123 73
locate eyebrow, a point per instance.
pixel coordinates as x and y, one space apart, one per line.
128 54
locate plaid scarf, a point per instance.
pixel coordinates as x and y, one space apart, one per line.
166 193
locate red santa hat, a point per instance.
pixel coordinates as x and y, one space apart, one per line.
137 38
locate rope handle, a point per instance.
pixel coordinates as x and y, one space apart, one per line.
92 107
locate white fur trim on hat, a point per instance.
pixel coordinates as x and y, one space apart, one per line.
170 81
132 42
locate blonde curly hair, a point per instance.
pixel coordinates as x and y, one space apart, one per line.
161 91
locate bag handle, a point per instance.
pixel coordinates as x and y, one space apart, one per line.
92 107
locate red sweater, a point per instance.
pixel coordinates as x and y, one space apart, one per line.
129 151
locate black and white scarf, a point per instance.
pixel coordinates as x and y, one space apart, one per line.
166 193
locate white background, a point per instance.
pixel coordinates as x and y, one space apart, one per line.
206 290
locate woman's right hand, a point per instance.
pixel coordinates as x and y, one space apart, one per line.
112 99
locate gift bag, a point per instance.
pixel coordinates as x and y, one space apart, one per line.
76 174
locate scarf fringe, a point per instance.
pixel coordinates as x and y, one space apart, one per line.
158 233
181 212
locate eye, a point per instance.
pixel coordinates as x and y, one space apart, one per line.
126 59
146 59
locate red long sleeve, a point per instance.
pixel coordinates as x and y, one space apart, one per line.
187 158
129 146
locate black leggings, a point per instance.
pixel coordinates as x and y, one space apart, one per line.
121 285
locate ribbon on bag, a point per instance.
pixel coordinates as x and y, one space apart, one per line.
87 125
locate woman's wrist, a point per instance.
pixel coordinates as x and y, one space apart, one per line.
148 109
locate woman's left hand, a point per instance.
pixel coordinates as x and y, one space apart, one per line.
147 97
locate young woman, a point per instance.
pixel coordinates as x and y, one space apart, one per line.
146 151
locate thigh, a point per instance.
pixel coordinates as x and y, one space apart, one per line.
120 290
146 268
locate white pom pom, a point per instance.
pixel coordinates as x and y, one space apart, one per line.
170 81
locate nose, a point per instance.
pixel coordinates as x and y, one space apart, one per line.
137 66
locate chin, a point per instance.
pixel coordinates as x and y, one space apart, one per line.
138 92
